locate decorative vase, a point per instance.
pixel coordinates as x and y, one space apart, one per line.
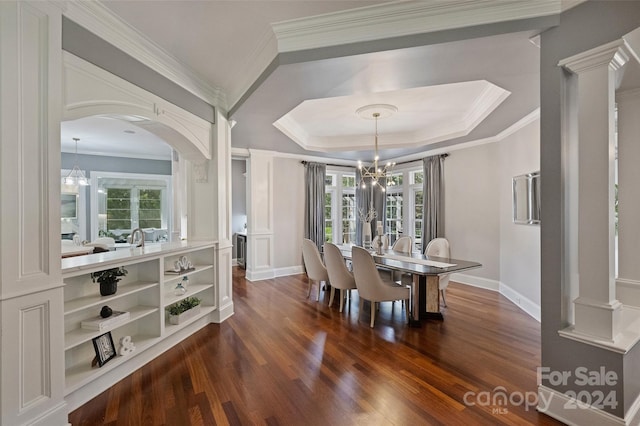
108 288
366 234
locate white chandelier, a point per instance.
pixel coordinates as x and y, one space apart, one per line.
76 176
378 175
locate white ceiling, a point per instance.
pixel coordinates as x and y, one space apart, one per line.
423 115
112 136
447 92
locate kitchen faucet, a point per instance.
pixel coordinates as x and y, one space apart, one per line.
133 235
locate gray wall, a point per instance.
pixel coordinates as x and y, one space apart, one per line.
472 206
519 244
478 214
584 27
91 48
238 199
116 164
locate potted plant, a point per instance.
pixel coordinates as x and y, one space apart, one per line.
108 279
183 310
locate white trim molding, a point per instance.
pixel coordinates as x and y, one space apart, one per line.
101 21
404 18
573 412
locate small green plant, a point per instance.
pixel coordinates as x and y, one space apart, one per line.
183 305
108 275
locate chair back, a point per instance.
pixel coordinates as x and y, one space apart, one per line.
366 274
313 262
339 275
438 247
403 244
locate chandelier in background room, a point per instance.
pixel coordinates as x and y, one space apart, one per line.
379 175
76 176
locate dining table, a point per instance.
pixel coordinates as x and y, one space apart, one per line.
425 272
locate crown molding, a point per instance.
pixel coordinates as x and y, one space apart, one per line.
403 18
97 18
614 54
523 122
252 67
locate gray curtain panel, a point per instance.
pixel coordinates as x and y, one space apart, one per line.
433 199
363 203
314 175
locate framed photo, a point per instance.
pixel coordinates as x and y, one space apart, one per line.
104 347
69 206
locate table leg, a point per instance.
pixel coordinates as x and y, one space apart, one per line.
414 315
433 298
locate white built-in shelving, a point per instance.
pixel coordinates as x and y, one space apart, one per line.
145 292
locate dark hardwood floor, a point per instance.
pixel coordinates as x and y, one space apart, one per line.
283 359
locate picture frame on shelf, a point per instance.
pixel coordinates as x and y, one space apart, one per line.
105 349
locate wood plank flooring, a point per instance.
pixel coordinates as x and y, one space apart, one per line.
283 359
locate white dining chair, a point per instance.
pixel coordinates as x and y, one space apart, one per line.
439 247
403 244
339 276
316 271
372 287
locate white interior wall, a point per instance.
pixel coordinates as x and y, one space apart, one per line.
288 214
472 205
519 244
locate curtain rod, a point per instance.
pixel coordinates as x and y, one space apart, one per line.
326 164
445 155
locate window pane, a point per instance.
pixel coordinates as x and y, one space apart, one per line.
394 214
328 180
328 213
394 180
150 208
417 226
118 208
417 177
348 218
349 181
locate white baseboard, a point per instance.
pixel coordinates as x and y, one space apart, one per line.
485 283
567 410
234 262
524 303
265 274
519 300
289 270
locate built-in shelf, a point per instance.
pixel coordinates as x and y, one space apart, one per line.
172 328
83 373
170 298
146 296
85 302
80 335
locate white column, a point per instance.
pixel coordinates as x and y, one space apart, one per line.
259 254
31 296
222 160
597 312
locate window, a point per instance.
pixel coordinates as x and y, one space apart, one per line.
340 210
416 179
118 209
150 208
124 202
394 215
328 216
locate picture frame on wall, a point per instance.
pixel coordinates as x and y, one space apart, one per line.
105 349
69 206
